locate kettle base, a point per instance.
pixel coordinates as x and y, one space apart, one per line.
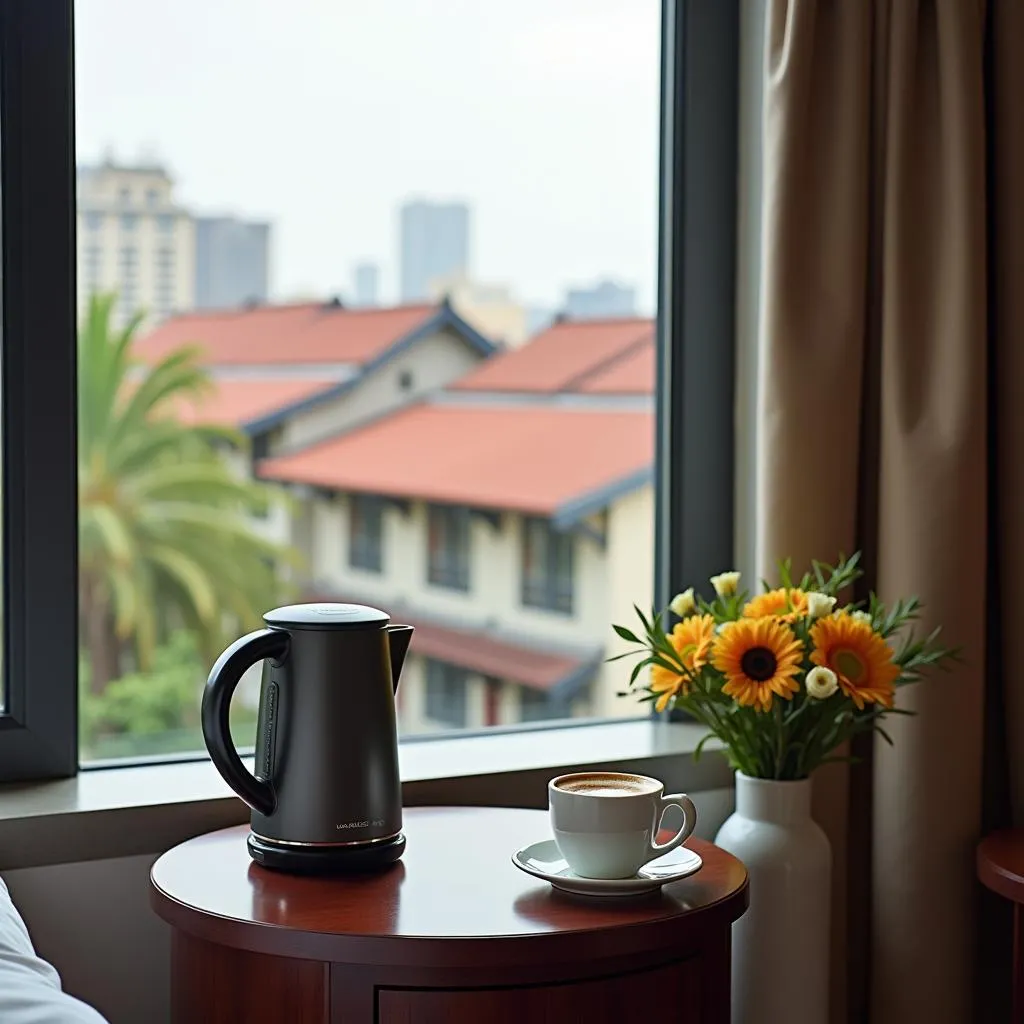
325 860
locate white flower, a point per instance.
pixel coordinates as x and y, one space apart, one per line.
726 583
819 604
684 603
821 682
861 617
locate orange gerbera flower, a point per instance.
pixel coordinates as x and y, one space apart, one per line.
759 658
691 640
782 603
860 658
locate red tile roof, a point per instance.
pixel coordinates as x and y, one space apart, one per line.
286 335
631 374
534 460
540 670
539 667
236 402
559 358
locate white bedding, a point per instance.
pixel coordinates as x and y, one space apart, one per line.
30 991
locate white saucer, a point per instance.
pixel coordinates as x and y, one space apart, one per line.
542 860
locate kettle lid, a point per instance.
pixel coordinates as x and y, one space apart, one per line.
326 615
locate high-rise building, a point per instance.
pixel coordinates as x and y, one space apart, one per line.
232 262
134 240
434 243
366 281
605 298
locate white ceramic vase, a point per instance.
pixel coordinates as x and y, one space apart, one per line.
780 947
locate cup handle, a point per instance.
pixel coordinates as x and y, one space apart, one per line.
685 804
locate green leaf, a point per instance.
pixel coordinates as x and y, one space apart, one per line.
637 669
699 749
626 634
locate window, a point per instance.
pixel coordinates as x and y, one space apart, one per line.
129 221
547 561
504 442
38 686
165 262
91 264
539 706
152 197
446 701
365 533
128 257
93 221
448 544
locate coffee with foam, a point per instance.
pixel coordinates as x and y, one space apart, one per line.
607 784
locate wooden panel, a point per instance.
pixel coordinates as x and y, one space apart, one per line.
215 984
209 887
669 993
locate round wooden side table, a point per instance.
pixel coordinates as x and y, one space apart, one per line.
1000 865
452 933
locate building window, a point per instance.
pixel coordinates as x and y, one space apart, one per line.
366 533
165 224
448 547
538 706
91 262
128 256
128 221
446 694
93 221
547 567
124 194
152 197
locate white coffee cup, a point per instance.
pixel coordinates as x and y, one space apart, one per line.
606 823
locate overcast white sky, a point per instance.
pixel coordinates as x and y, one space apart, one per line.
323 115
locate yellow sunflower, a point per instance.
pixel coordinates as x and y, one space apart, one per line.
860 658
782 603
758 657
691 640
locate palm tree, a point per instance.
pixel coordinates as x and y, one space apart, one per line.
164 534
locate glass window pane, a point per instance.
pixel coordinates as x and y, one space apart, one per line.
407 333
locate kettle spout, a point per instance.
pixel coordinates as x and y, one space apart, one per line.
398 641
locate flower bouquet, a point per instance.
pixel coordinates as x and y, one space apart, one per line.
785 677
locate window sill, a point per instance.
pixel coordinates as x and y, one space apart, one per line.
119 812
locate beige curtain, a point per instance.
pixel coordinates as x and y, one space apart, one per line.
892 284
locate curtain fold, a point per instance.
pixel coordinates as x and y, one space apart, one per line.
893 269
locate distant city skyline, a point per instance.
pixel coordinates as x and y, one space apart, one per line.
433 244
602 298
516 116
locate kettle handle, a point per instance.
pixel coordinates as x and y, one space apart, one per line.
224 677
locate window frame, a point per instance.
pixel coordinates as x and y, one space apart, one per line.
547 595
365 547
695 342
435 670
441 573
696 322
39 727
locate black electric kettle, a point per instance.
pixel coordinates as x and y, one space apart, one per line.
325 795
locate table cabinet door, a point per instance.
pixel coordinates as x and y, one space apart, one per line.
667 993
213 984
